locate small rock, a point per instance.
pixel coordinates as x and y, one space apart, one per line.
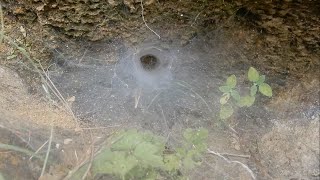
71 99
23 31
40 8
283 12
113 2
149 2
18 10
67 141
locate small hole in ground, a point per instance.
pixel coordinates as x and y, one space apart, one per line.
149 62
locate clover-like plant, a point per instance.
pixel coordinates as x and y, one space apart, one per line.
230 92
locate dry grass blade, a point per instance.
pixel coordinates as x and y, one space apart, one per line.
188 86
2 25
39 149
91 158
48 152
18 149
83 163
155 97
44 77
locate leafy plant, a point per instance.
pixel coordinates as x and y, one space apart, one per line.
1 177
143 155
230 92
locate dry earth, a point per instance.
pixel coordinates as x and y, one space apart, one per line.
279 37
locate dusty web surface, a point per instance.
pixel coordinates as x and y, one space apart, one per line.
104 85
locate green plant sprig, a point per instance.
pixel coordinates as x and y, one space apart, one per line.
229 92
142 155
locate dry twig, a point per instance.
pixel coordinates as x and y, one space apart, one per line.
91 158
186 86
48 152
236 162
2 25
142 9
39 149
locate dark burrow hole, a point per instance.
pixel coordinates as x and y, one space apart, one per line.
149 62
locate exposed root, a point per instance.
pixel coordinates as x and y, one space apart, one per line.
145 23
236 162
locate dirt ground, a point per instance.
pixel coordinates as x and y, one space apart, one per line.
84 47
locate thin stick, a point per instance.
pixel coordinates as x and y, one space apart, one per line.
104 127
39 149
195 19
76 155
18 149
91 158
75 169
54 89
145 23
85 161
15 133
45 78
236 155
48 152
85 52
115 76
137 98
23 51
195 93
155 97
60 95
230 161
164 118
2 25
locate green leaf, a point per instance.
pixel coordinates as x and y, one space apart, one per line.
117 163
153 139
226 111
149 154
80 172
181 152
261 80
101 163
265 89
188 134
251 100
141 173
195 137
127 141
235 94
232 81
253 75
189 161
152 174
200 147
122 164
172 162
253 90
246 101
224 99
1 177
11 56
225 89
